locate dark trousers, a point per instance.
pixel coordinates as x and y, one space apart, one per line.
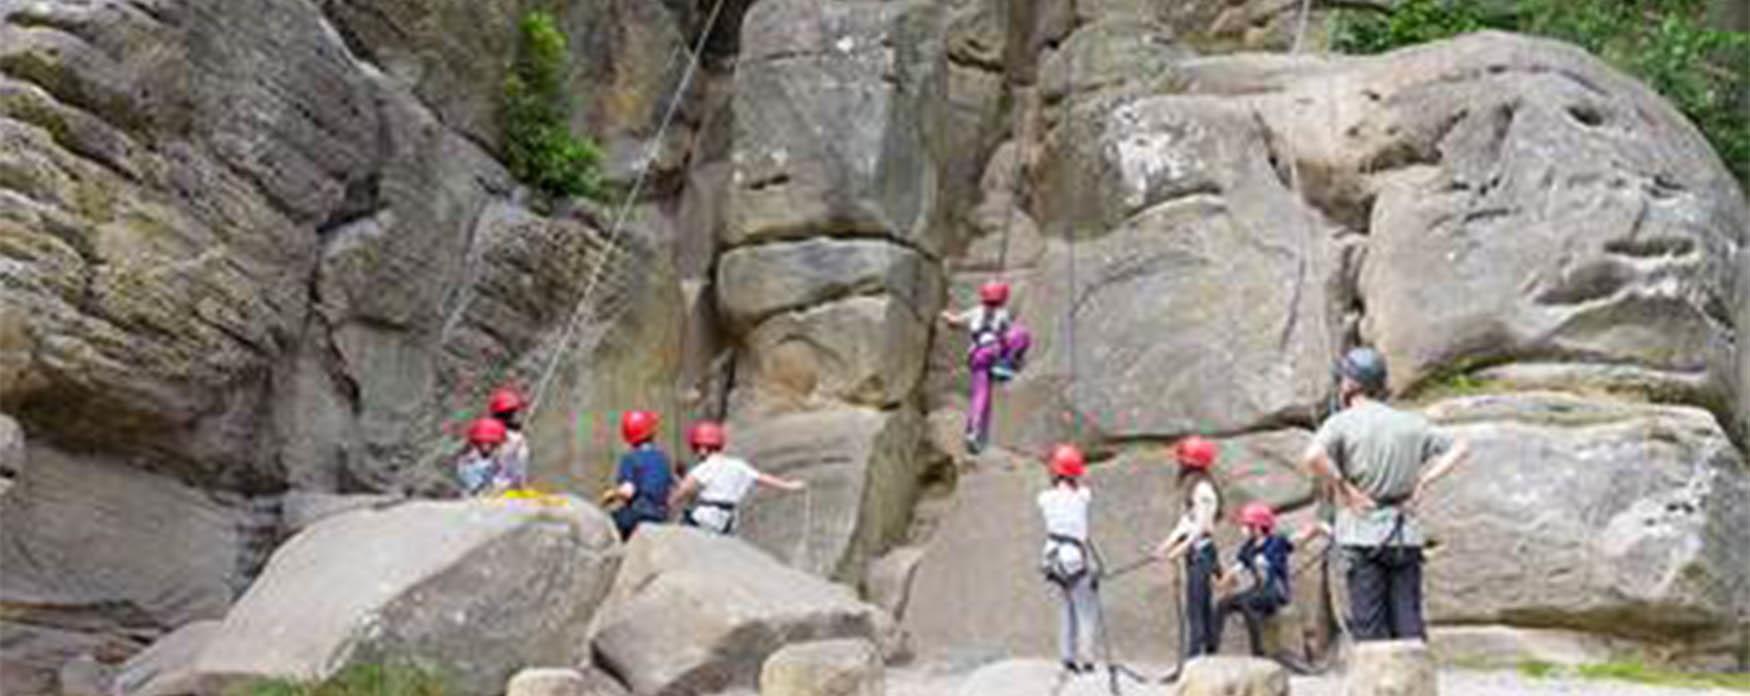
1254 605
628 517
1201 632
1385 591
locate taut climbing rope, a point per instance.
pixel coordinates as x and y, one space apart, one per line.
625 209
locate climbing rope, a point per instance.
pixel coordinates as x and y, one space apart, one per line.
624 211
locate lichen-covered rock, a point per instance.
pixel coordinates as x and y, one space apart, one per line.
477 588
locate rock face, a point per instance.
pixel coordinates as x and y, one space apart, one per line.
825 668
478 589
265 245
977 588
695 613
1391 668
97 554
862 477
1233 676
1628 513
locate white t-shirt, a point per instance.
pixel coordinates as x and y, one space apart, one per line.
722 479
513 461
1066 511
1199 521
988 324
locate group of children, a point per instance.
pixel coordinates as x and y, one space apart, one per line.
646 488
1070 563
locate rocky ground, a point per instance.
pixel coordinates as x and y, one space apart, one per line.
948 680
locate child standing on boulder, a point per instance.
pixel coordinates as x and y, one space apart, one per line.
478 467
1068 560
998 348
720 481
1194 539
644 477
506 406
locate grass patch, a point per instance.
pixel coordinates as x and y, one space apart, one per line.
1639 673
1536 669
357 680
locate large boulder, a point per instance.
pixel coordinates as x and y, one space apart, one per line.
839 112
477 589
1581 219
1628 515
101 557
863 477
693 612
824 668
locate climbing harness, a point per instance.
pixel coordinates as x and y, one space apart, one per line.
625 209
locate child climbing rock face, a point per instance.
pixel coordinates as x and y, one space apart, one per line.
1194 539
1068 560
478 467
721 482
506 406
1263 560
644 477
996 352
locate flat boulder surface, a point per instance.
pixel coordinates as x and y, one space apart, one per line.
474 589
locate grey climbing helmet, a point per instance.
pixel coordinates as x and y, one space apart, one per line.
1366 366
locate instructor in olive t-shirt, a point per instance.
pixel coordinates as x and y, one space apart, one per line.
1382 461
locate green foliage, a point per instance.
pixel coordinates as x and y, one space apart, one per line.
539 146
1668 44
357 680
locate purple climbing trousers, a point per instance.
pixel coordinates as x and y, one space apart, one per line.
1011 350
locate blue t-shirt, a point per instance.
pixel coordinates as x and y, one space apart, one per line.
647 469
1266 560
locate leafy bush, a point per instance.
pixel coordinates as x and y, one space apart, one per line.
1668 44
539 146
357 680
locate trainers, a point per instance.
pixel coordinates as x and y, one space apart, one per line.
973 443
1002 372
1071 667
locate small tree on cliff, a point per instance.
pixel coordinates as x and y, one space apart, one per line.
539 146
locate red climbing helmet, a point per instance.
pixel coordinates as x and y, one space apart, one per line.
1258 514
994 292
504 401
706 435
1067 461
1195 452
486 431
638 427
